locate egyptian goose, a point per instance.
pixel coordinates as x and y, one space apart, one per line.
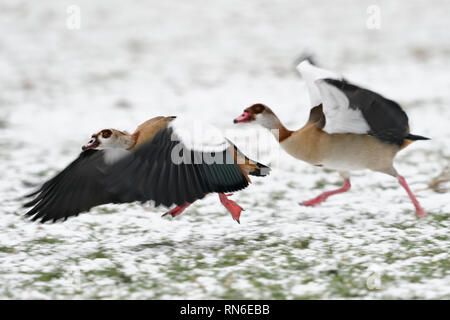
349 128
154 163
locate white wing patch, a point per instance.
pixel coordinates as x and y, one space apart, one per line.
114 155
339 117
199 136
310 74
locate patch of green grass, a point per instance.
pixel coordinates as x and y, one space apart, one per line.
389 257
382 186
308 280
48 276
350 220
277 195
441 238
385 278
28 184
232 294
295 264
432 269
112 273
271 291
47 241
157 288
299 266
99 254
320 184
7 250
308 297
42 173
277 292
179 272
198 263
106 210
230 259
292 185
415 279
255 275
346 281
92 225
401 226
262 237
301 243
154 245
271 245
237 242
440 217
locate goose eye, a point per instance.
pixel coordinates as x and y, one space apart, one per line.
106 133
259 109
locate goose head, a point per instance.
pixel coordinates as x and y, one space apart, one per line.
258 114
108 139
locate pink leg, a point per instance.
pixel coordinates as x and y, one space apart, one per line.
231 206
177 210
319 199
419 210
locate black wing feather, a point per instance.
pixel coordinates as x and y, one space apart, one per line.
76 189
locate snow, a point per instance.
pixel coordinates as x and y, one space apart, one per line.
131 60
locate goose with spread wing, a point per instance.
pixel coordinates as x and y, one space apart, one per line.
349 128
156 163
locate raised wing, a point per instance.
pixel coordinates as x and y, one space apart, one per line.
352 109
310 73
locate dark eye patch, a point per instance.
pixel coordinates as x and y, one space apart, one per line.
259 108
106 133
256 108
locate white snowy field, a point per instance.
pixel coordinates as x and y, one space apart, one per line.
133 60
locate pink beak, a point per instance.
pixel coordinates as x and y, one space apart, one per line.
92 144
244 117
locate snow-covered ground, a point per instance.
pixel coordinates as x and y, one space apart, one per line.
132 60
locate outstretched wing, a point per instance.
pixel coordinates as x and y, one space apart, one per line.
166 171
352 109
310 73
79 187
162 170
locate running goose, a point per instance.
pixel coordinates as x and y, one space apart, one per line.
158 162
349 128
